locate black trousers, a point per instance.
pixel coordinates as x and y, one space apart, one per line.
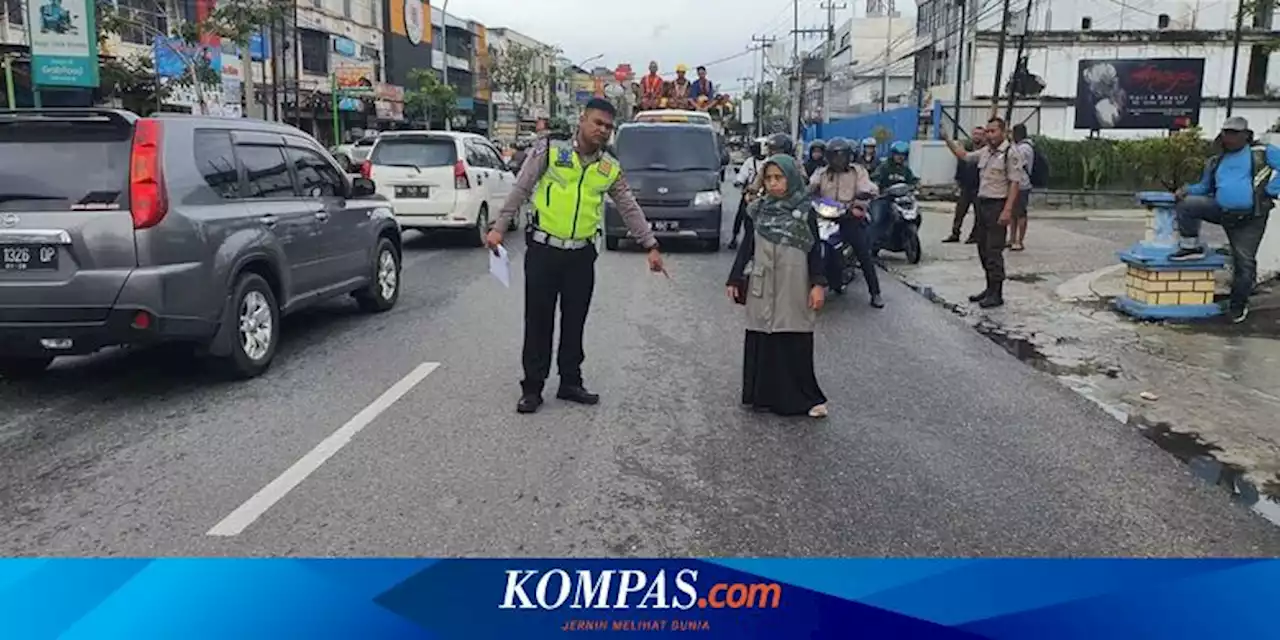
551 276
991 240
857 232
966 200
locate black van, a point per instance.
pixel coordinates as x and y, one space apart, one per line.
674 170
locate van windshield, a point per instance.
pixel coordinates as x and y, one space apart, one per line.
668 149
64 166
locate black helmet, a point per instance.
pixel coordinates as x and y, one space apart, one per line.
839 145
781 143
817 144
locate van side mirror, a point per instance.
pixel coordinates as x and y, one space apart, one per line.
362 187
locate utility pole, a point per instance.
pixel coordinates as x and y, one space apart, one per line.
763 42
444 50
888 58
798 78
827 52
1004 30
1235 58
955 120
1025 27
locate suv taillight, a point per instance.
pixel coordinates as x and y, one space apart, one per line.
460 180
366 169
146 183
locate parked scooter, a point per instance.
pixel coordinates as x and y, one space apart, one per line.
902 230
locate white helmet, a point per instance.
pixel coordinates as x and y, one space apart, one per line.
868 142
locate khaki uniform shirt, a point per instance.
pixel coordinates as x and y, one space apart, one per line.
998 169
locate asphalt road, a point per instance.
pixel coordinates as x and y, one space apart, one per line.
939 442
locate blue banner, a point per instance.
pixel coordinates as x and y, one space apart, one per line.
173 56
729 598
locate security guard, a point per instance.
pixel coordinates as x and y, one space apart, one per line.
568 180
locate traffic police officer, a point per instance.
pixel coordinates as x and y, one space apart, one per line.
567 180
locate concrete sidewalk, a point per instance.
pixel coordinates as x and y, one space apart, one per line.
1208 393
948 207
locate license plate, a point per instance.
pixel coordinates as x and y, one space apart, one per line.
413 192
665 225
29 257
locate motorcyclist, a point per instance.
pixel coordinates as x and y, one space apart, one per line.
816 159
867 155
747 175
842 180
893 170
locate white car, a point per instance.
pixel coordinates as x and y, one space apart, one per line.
440 179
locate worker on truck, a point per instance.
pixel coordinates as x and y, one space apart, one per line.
651 87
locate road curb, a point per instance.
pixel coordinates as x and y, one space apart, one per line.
1188 447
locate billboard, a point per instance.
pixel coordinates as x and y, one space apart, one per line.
64 43
407 39
1147 93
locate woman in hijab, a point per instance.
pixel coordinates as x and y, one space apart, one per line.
783 291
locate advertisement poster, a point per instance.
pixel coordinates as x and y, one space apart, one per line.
355 78
64 43
1149 93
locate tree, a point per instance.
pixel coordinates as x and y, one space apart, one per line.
513 70
133 82
234 20
430 97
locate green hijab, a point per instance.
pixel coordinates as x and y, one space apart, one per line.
784 220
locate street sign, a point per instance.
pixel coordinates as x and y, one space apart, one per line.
64 43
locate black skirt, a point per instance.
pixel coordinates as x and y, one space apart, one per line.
777 373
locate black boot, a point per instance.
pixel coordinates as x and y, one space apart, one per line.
733 244
529 402
995 297
577 393
981 295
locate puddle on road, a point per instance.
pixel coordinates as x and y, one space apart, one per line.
1199 457
1025 278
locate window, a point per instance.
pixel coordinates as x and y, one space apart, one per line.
477 157
217 162
415 151
316 177
139 14
494 156
266 173
1162 21
437 42
36 159
315 51
1086 23
17 15
671 149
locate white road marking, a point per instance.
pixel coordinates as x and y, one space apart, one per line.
254 507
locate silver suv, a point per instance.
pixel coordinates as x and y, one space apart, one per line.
116 229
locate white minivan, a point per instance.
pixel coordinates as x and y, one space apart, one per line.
440 179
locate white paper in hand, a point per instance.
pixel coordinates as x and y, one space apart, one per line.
500 266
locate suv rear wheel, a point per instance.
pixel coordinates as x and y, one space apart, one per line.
482 226
256 329
17 368
384 289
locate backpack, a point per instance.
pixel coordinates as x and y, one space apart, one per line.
1039 169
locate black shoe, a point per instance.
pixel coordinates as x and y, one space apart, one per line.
877 301
578 394
1238 314
979 297
992 301
1187 253
733 244
952 239
971 240
529 403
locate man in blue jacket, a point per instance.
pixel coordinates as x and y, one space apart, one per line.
1237 190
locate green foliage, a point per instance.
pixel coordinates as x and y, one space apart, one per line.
429 98
1096 164
132 81
235 20
882 135
513 71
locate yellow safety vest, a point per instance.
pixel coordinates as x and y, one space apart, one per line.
569 197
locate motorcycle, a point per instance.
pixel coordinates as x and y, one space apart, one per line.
902 230
837 253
